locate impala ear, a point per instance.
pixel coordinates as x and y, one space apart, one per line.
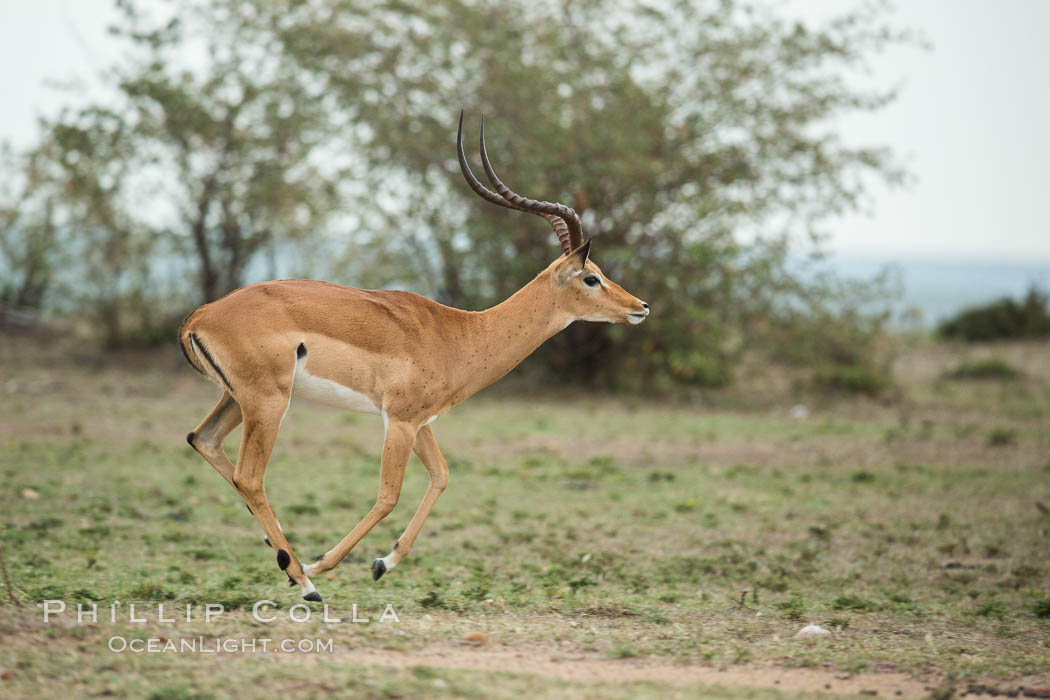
579 256
572 263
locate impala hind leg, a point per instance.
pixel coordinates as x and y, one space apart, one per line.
429 453
207 437
397 448
262 420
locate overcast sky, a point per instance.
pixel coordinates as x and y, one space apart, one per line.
972 122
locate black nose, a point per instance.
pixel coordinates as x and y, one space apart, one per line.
645 306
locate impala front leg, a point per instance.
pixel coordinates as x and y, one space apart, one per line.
429 453
397 448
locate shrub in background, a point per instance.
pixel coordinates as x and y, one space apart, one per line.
1004 319
990 368
856 380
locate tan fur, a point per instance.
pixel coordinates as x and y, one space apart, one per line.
413 358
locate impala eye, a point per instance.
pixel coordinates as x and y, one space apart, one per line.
591 281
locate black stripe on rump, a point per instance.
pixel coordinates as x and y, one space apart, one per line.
207 356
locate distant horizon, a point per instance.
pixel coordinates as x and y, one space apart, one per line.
933 258
940 288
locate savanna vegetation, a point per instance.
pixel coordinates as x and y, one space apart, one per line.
603 546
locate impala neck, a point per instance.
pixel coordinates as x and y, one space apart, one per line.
506 334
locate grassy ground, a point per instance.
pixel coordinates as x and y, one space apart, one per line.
594 532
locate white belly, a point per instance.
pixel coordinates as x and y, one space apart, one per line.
307 386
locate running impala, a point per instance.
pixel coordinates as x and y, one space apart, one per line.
391 353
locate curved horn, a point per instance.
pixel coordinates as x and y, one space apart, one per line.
561 229
574 230
482 191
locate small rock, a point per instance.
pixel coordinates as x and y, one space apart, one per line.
477 638
812 631
799 412
6 674
30 494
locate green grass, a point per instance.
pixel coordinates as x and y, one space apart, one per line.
611 527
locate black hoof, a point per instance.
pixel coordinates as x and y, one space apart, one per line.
283 560
378 569
267 541
313 597
189 439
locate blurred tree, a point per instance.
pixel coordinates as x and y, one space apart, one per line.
693 137
231 145
27 236
83 169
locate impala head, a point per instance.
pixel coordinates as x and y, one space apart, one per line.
583 290
578 285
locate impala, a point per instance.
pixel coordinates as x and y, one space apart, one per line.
392 353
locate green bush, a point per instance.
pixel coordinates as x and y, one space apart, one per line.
854 602
1001 437
701 369
855 379
992 608
794 608
991 368
1004 319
